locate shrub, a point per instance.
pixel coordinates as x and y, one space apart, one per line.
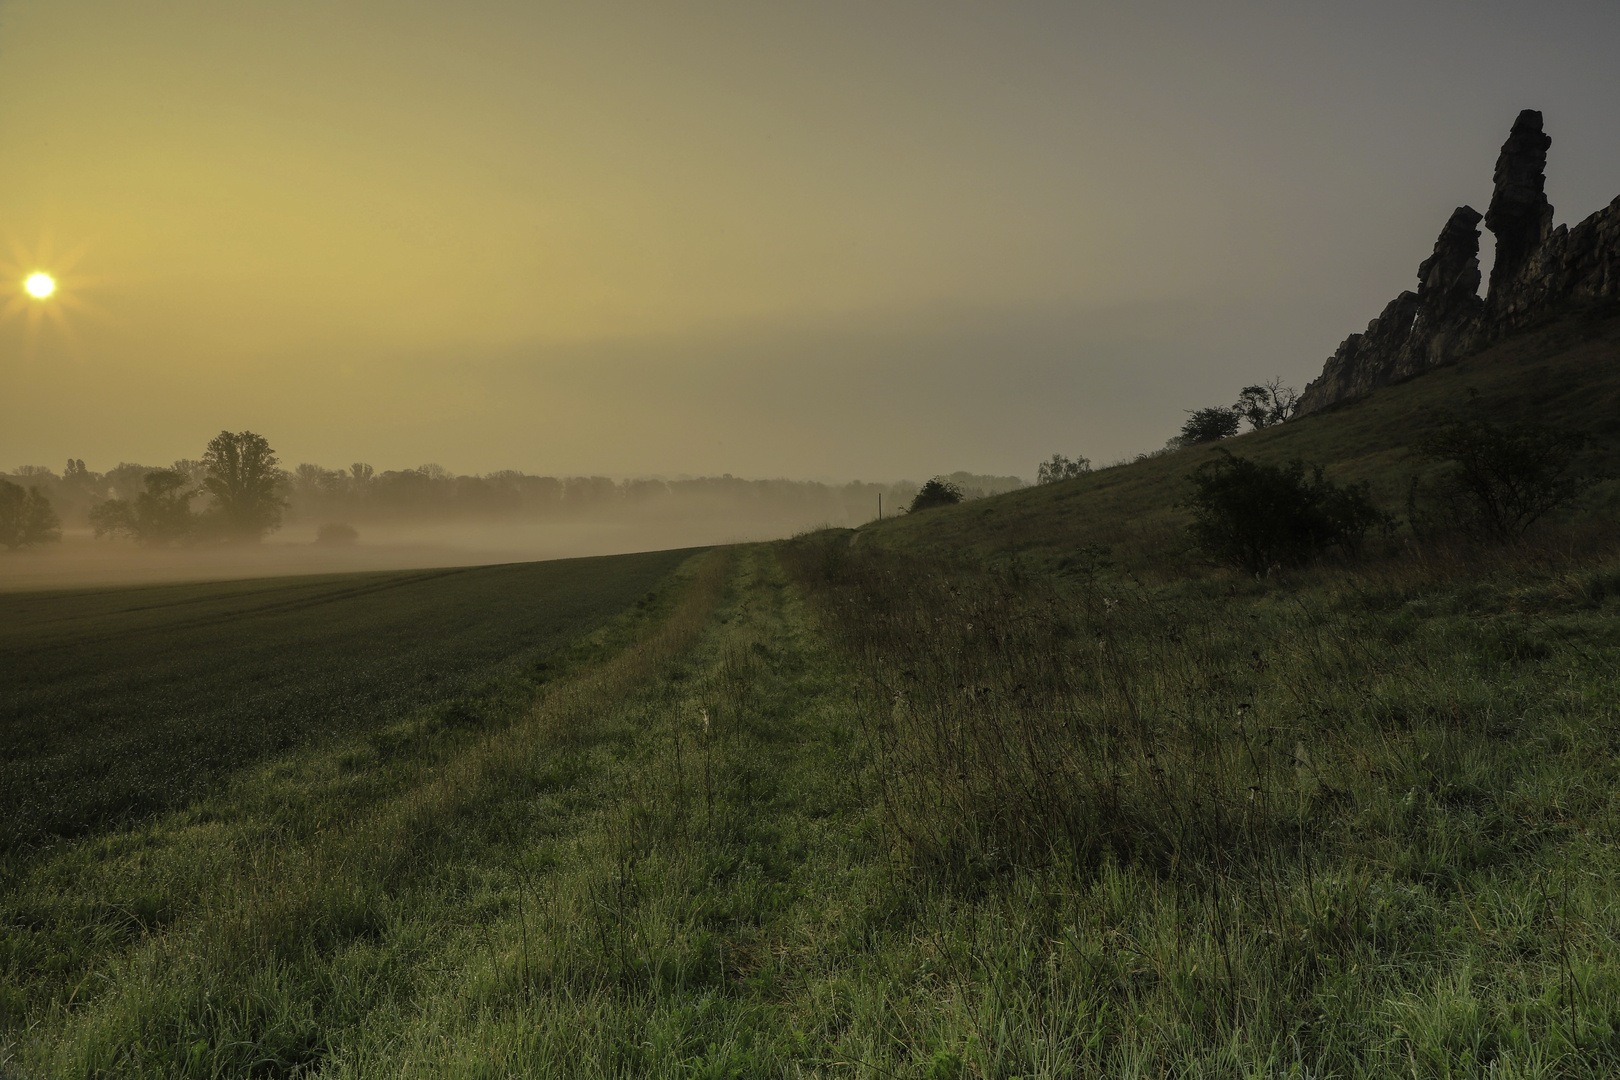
1061 468
1255 516
336 534
936 492
1208 425
26 516
1503 478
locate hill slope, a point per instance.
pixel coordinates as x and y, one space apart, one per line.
1565 374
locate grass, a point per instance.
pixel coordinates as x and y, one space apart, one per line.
122 702
742 842
1358 823
925 800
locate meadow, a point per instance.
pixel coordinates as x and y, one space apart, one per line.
1020 788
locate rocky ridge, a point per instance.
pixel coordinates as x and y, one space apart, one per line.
1539 272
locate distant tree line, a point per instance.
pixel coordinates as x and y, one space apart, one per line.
237 491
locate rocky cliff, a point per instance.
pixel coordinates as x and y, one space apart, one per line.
1539 272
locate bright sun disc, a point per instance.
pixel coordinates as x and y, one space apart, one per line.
39 286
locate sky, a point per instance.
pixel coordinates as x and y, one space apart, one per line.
827 240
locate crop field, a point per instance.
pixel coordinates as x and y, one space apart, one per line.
119 702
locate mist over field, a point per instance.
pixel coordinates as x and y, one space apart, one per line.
353 519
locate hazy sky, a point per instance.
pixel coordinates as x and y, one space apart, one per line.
815 239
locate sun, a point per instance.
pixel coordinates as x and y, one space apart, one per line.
44 290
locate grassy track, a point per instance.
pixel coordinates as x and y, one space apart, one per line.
119 702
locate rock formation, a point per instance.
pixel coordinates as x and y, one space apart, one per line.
1538 274
1519 214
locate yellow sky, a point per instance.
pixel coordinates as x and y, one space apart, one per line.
406 231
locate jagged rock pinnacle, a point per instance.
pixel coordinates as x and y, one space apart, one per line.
1519 214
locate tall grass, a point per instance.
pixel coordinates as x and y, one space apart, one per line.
1280 769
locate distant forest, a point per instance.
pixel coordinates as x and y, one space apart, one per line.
360 495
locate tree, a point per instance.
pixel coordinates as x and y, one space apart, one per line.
1255 516
1061 468
1209 425
242 478
936 492
1266 404
78 476
1504 478
160 514
26 517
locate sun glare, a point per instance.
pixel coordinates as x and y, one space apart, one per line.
44 301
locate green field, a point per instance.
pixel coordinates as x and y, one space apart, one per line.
958 795
121 702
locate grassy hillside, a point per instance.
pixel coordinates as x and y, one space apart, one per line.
1564 374
120 702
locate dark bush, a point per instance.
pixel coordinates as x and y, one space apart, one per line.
936 492
1255 516
1503 477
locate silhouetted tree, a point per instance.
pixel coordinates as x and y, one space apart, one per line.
1061 468
936 492
242 478
79 476
26 517
1503 478
161 514
1208 425
1266 404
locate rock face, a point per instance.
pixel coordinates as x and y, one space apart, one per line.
1539 272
